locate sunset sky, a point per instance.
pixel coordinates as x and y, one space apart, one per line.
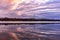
30 8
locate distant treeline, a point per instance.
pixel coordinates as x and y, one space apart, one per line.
27 19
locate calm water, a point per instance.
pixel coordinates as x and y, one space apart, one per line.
41 30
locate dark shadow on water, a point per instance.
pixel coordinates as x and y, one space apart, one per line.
25 23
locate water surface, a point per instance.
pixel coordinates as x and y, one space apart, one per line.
51 31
